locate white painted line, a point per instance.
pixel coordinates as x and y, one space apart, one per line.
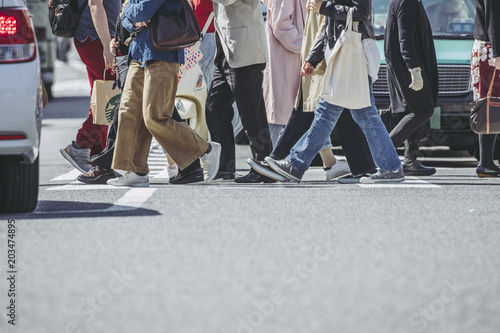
67 176
76 185
132 200
163 174
410 182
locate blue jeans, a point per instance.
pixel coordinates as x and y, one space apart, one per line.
207 48
325 117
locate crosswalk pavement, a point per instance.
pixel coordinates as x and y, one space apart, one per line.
134 198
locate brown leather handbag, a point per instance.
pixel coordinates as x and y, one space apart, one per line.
169 33
485 113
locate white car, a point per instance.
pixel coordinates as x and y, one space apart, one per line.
21 105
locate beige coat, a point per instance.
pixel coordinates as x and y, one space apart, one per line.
240 26
311 87
284 30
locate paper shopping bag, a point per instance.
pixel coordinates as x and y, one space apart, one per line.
103 101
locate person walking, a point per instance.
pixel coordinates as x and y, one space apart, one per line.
412 77
284 30
93 34
240 60
353 141
485 60
147 105
326 115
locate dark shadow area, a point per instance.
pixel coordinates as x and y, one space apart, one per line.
67 107
71 209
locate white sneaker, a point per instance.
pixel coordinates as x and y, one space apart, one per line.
210 162
340 168
130 179
79 158
387 177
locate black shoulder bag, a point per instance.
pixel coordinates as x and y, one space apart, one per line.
64 16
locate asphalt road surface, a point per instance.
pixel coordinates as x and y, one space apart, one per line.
314 257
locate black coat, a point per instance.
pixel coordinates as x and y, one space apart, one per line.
409 44
487 24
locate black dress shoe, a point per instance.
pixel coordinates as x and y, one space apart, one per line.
417 169
253 178
192 177
483 172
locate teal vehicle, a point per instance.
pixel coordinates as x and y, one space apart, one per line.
452 24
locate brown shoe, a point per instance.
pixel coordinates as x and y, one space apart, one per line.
96 175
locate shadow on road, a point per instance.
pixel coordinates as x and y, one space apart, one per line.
72 209
67 107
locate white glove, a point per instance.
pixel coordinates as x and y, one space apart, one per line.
417 82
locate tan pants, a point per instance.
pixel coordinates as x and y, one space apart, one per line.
146 110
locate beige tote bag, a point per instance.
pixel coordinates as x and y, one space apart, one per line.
103 101
346 76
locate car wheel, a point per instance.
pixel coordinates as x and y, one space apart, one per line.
19 191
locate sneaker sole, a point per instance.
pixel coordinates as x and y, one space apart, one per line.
265 172
382 181
98 180
349 181
72 161
282 172
217 149
130 185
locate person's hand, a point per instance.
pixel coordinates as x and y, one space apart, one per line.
108 58
138 25
315 5
417 83
496 63
307 69
112 44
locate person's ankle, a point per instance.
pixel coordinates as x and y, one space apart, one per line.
209 149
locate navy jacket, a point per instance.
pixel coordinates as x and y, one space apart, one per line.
141 49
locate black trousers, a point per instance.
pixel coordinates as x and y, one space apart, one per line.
244 86
351 138
410 129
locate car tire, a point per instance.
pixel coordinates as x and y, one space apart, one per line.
19 191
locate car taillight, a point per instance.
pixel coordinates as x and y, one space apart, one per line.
17 37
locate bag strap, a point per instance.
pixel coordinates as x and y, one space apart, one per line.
205 28
207 24
488 102
82 8
348 21
490 90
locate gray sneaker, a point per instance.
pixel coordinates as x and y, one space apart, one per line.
79 158
284 168
387 177
264 169
210 162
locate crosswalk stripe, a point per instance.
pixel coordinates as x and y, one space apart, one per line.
409 182
132 200
67 176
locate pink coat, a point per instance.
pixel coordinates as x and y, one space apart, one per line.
284 29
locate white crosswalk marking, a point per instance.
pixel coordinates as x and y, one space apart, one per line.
409 182
67 176
133 199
